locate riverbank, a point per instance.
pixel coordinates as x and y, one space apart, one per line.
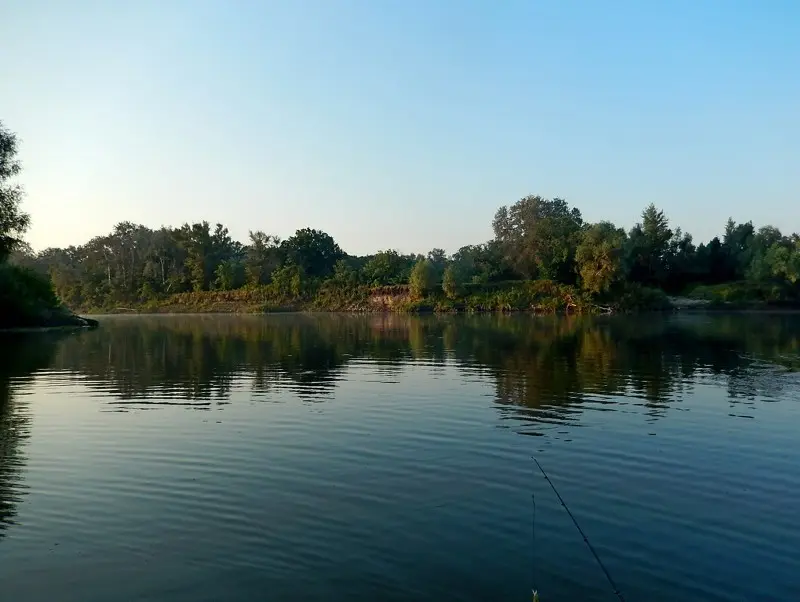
539 296
28 303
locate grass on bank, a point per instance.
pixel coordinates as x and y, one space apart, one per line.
539 296
746 294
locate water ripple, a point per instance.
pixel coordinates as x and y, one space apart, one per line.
356 458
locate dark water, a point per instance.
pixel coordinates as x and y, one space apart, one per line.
388 458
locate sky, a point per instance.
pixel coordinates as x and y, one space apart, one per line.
400 123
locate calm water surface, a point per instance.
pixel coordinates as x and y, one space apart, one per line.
319 457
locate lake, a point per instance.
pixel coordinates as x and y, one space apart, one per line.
389 457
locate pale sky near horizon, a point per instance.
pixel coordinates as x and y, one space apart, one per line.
400 124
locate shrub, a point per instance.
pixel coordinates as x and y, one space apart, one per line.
27 298
636 297
422 278
450 282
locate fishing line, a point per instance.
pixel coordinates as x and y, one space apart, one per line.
577 526
535 590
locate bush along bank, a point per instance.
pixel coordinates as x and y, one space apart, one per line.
536 296
27 300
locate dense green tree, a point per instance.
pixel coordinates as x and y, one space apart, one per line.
681 261
647 248
262 257
712 263
344 274
438 260
481 263
422 279
765 245
538 237
13 221
784 261
765 237
598 257
450 282
738 242
195 239
23 255
164 266
388 267
313 251
229 275
288 281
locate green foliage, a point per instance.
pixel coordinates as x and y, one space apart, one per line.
745 293
481 263
205 251
229 275
783 261
262 257
647 247
344 275
538 237
13 222
438 260
541 296
738 240
541 248
27 300
636 297
287 281
598 257
540 251
388 267
422 279
450 282
312 251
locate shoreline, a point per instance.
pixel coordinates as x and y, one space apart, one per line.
77 323
695 309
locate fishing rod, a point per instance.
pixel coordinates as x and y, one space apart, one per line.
578 527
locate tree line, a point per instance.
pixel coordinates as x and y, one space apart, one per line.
535 239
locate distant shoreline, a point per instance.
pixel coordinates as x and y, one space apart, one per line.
543 297
696 309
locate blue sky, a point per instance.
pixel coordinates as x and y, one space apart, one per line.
400 124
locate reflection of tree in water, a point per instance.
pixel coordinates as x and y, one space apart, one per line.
548 366
20 356
197 360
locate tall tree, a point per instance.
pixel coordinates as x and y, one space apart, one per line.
450 282
205 250
598 257
438 260
538 237
313 251
681 260
648 246
422 278
13 221
481 263
388 267
738 242
262 257
164 270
